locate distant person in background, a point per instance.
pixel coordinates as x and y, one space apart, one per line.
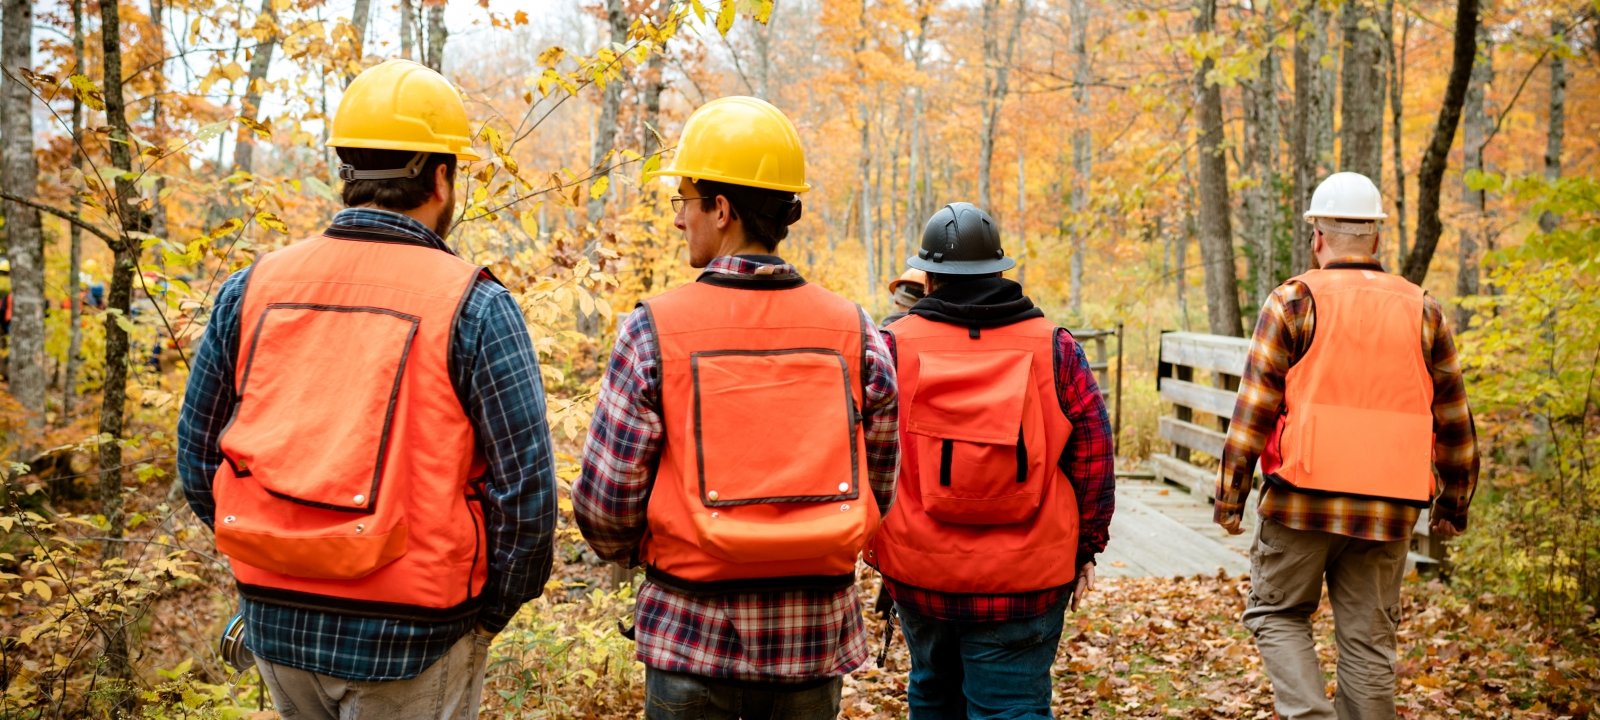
905 291
1353 400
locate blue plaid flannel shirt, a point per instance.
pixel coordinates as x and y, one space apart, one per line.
497 371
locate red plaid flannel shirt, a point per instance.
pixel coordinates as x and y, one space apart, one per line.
1089 462
1282 337
790 636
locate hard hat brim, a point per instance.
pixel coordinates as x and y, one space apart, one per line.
1312 215
714 177
465 153
963 267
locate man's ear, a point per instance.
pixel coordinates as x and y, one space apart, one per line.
1317 240
443 186
724 212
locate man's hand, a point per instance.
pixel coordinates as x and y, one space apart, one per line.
1233 523
1442 529
1085 584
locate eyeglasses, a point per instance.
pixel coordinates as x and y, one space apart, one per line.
679 200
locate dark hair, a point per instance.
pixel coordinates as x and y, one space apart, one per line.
399 194
767 214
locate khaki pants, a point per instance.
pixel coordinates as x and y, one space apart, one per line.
450 688
1287 569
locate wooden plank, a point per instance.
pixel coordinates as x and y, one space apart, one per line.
1216 401
1193 436
1216 353
1199 483
1146 542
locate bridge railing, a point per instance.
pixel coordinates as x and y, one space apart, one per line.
1199 375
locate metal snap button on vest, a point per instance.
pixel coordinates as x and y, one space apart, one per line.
844 508
229 519
359 499
712 496
360 528
844 487
715 515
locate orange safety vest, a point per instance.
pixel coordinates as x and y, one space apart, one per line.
762 481
1357 414
982 505
352 470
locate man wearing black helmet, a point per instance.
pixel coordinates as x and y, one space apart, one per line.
1006 488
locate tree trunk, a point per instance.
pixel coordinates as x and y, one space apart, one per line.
1216 231
158 208
407 24
1261 133
244 148
1476 126
996 70
19 171
1361 108
864 204
69 389
916 208
761 33
1313 122
1078 15
359 19
1397 84
1557 127
125 260
605 130
438 32
1430 176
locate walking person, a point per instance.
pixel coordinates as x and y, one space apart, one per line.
743 446
1007 485
364 429
1353 400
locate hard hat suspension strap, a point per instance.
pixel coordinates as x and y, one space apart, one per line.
348 172
1346 227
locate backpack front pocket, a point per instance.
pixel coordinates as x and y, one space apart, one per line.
975 427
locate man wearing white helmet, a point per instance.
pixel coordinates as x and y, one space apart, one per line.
1353 401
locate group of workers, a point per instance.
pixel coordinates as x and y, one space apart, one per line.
365 431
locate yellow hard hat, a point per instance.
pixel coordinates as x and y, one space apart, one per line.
740 141
403 105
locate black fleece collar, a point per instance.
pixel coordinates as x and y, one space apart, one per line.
980 302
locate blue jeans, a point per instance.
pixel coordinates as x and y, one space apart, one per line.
677 696
962 671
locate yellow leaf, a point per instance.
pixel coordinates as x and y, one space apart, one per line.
599 187
87 92
763 11
699 10
551 55
42 589
233 71
271 222
521 18
256 126
725 17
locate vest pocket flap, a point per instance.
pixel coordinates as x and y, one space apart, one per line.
823 533
317 399
346 555
744 457
971 396
1366 452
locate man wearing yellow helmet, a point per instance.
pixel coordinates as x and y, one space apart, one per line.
743 446
364 429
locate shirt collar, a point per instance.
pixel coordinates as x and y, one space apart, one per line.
1355 262
750 265
392 225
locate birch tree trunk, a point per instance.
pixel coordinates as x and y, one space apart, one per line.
19 172
1078 15
1430 176
359 19
1313 122
407 22
1476 126
1216 231
69 384
244 148
1557 123
605 131
916 209
1361 107
996 70
864 203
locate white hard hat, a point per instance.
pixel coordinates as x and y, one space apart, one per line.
1346 195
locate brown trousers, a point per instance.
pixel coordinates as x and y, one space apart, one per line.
1287 570
450 689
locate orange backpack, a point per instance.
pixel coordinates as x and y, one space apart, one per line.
763 473
982 505
351 473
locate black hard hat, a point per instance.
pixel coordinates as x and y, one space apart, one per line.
961 239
